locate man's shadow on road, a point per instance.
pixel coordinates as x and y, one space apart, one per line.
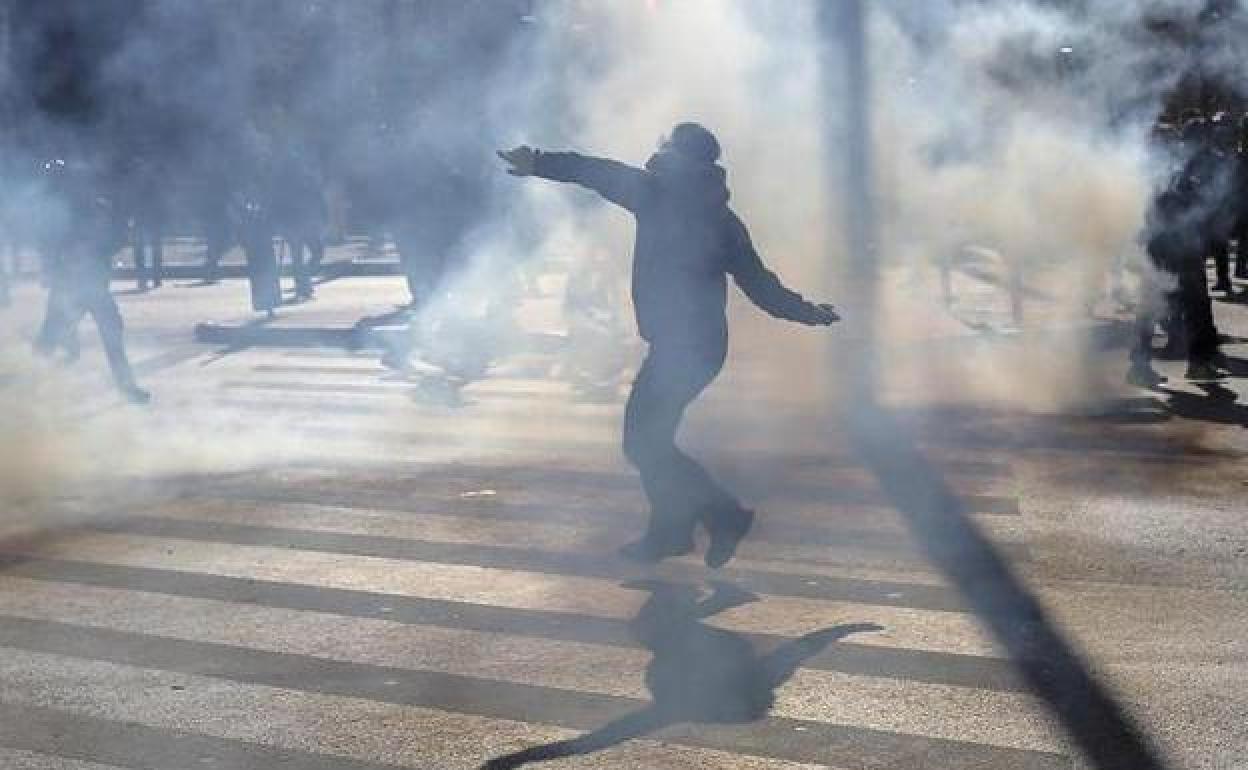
698 674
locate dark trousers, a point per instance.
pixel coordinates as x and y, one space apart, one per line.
423 257
1221 251
262 272
149 255
70 298
216 242
680 491
306 255
1191 301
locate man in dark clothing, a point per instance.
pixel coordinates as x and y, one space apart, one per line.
80 252
255 235
251 205
299 216
1178 236
146 207
1215 165
688 241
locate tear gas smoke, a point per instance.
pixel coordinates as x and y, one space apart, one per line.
1014 129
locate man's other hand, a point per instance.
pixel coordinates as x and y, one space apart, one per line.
825 315
522 160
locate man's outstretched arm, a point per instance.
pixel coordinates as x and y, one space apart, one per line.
763 287
618 182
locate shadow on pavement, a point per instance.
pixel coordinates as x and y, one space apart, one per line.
699 674
1047 661
1219 405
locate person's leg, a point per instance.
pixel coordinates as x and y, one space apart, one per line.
108 322
215 229
679 490
1197 310
1221 252
156 240
316 254
262 268
52 329
1241 247
138 246
410 249
299 267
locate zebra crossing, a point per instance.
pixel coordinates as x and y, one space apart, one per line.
427 586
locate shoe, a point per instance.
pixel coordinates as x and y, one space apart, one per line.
135 395
1144 376
1204 372
651 549
728 528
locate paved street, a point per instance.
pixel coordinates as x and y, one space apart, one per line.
298 559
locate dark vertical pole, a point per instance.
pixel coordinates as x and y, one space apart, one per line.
847 99
858 148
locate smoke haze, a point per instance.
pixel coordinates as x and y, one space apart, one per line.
987 135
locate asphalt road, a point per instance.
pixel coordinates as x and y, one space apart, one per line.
297 559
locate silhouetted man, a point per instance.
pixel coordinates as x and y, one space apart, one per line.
146 206
253 212
1178 234
80 251
299 216
688 241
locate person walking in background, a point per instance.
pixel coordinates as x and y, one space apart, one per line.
80 251
688 242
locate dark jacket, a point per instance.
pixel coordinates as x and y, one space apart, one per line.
688 242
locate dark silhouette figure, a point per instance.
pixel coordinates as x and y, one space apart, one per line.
147 210
1185 218
211 202
429 235
300 216
698 674
252 209
688 242
79 252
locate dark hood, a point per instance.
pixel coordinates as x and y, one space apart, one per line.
694 182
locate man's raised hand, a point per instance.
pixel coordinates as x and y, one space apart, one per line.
522 160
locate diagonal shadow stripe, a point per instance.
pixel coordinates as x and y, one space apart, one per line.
777 738
1046 659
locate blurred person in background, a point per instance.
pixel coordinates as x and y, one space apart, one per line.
81 243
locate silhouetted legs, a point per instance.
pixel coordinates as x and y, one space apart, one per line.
679 490
262 273
1221 250
149 255
306 254
70 298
